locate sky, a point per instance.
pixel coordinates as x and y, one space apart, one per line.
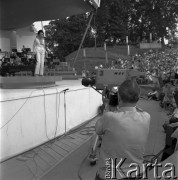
38 24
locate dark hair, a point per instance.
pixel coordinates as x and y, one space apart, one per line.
129 91
40 31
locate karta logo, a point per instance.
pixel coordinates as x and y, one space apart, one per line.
114 169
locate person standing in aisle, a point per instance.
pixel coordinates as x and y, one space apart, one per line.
39 50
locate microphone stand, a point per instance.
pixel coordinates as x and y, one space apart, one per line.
65 107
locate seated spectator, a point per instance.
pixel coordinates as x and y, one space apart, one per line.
174 117
153 95
168 95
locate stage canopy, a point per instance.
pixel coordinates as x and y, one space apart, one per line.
15 14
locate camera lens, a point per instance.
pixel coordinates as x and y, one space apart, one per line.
88 82
113 99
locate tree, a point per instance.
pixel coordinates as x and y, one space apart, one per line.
153 16
63 36
114 20
136 18
163 17
111 20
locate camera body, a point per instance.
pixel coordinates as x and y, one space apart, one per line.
114 77
113 99
107 79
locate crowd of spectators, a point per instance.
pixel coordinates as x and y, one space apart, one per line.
162 64
157 64
160 68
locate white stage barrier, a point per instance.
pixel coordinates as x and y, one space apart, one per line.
34 116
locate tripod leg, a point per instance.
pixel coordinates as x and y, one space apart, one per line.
95 144
92 156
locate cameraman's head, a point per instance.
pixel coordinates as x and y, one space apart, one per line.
129 92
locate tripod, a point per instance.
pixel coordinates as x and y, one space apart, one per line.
92 157
105 107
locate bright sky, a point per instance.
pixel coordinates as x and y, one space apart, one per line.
38 25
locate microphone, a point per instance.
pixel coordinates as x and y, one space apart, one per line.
65 90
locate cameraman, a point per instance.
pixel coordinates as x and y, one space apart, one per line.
125 132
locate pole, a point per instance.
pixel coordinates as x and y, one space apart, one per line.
84 52
127 40
106 53
150 37
128 48
105 46
95 31
83 38
106 57
95 42
84 55
42 27
65 109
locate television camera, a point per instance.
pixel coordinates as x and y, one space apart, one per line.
111 77
108 81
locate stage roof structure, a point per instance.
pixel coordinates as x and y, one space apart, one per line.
15 14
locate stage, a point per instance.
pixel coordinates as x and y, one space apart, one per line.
33 116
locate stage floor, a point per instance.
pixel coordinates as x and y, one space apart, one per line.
54 161
9 94
33 116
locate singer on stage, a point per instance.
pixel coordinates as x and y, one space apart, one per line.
39 50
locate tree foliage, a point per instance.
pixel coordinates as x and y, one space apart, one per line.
153 16
113 21
137 18
63 36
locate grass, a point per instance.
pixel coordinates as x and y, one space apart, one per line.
97 56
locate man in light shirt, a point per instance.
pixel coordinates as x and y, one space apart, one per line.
124 132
